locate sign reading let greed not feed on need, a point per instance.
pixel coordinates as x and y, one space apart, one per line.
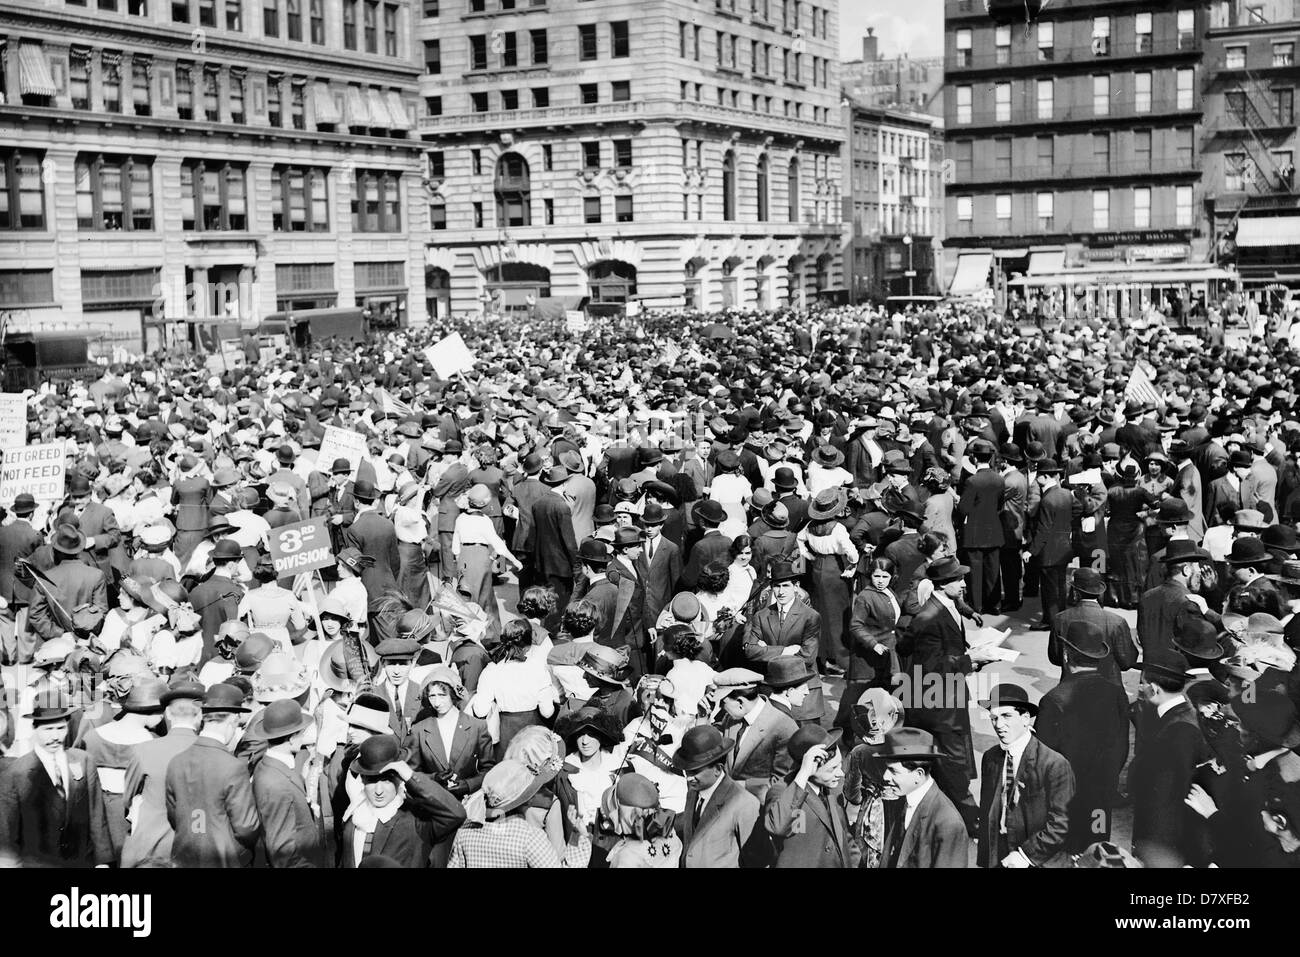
38 470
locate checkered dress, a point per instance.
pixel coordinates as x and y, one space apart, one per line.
511 842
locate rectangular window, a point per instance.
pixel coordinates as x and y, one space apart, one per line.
1141 150
1182 206
432 56
476 162
591 209
1001 157
207 13
1186 29
1046 210
293 19
235 15
1002 206
1046 155
1002 45
1141 207
1284 105
1234 172
618 39
623 153
437 165
433 105
509 50
541 97
587 47
539 48
114 193
591 155
1186 80
963 104
180 11
478 52
963 48
683 38
1234 58
370 13
1046 99
213 196
1284 54
478 215
622 209
237 99
111 72
211 99
621 91
273 112
140 70
185 91
350 24
430 9
1002 102
1184 151
1142 92
548 157
1235 104
1046 41
1142 32
479 102
438 215
509 99
1101 36
1100 95
589 92
390 30
271 17
1100 209
376 202
79 79
1101 152
22 191
299 202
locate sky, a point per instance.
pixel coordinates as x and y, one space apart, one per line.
904 26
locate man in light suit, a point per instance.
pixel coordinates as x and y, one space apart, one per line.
922 828
788 627
806 818
759 729
76 584
720 817
1189 486
1024 825
1260 483
981 534
580 491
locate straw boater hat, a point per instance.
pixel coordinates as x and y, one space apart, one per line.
511 784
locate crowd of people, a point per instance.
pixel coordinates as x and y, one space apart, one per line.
679 590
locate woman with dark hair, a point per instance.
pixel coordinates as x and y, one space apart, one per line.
1126 545
489 474
590 737
712 586
741 573
537 604
513 691
270 609
872 660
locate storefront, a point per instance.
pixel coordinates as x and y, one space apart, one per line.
382 289
118 305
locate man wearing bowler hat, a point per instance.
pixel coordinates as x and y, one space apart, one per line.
1086 589
660 564
290 837
922 828
1248 563
720 817
711 546
1165 609
18 540
373 535
551 542
806 818
210 804
1025 789
1049 539
788 627
216 598
75 584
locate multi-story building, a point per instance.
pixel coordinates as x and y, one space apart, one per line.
1249 140
171 161
893 192
914 83
1075 140
671 151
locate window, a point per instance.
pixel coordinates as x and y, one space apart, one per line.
1101 36
622 209
1234 58
729 186
477 6
587 49
273 112
479 102
1002 102
1100 95
1186 29
432 56
963 48
1234 172
1101 152
140 70
1284 105
589 92
235 15
591 209
180 11
683 38
548 157
1182 206
548 211
965 209
370 24
1183 148
237 98
591 155
114 193
792 190
433 105
390 30
541 97
111 85
1142 32
1100 209
185 91
207 13
437 165
620 91
513 192
618 39
1284 168
79 79
1142 150
213 196
350 24
1235 103
509 50
1046 41
478 52
1046 99
509 99
437 215
963 104
1046 154
1002 206
1002 45
537 38
1142 92
22 192
316 10
211 99
293 19
376 202
623 153
1186 80
1141 207
1046 210
1002 156
271 17
430 8
1284 54
478 215
299 200
761 189
476 162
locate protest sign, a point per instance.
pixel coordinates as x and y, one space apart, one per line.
575 320
449 355
301 547
341 444
36 469
13 420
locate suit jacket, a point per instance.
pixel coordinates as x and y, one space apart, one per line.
450 484
629 606
980 505
934 643
17 540
37 826
1086 720
872 622
373 535
810 829
659 577
471 751
551 539
798 509
935 838
210 807
1188 487
289 831
761 758
216 601
77 584
714 546
777 545
1163 612
1015 505
190 496
151 838
1260 485
725 827
1224 499
1050 525
581 493
400 721
1038 821
524 494
767 638
1167 833
429 816
1118 636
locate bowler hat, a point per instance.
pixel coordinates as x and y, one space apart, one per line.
710 512
907 744
363 490
222 697
280 719
594 552
652 514
1010 452
1049 467
1165 663
227 550
701 746
50 711
78 484
1009 696
1173 511
341 467
1184 550
787 671
1248 550
254 649
783 479
1086 639
24 504
376 754
1197 638
1035 451
1280 537
1088 581
812 736
946 569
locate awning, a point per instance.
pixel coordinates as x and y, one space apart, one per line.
397 110
1268 231
379 117
323 103
1047 261
34 71
972 274
354 107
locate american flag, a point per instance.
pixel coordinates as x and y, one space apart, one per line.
672 352
1140 387
387 405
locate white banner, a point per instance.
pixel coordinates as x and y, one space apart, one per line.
36 469
340 444
449 356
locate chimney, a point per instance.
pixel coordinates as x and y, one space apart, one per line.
870 42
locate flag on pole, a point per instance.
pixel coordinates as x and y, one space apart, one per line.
1140 387
387 405
672 352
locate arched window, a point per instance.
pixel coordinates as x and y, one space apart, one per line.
512 188
729 186
792 187
612 281
760 187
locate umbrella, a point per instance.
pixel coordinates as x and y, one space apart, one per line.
717 330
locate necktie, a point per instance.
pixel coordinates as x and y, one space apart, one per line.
699 810
1008 789
649 551
780 610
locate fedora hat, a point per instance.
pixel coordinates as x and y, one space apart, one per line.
812 736
1173 511
946 569
1049 467
50 710
1248 550
787 671
1088 581
828 503
511 784
1165 663
907 744
1198 639
280 719
710 512
555 475
1009 696
701 746
1086 639
222 697
333 664
1249 519
1280 537
1184 550
68 540
783 572
377 754
604 664
183 687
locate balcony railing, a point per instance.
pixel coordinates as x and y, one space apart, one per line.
1018 56
1078 113
543 116
1090 169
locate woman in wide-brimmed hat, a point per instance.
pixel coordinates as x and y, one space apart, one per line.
875 713
832 562
478 547
826 470
590 736
514 833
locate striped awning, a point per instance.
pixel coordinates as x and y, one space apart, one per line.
397 111
323 103
34 71
379 117
354 107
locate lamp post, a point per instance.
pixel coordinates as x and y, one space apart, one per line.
911 270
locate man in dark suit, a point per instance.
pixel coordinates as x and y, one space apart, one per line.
712 546
759 760
1086 719
629 607
922 828
788 627
1165 610
290 836
786 485
99 524
718 824
1085 611
374 535
1166 832
1014 523
397 684
522 496
1049 542
551 542
52 809
594 585
448 743
210 804
660 564
336 504
216 598
981 533
75 584
806 818
18 540
1025 789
